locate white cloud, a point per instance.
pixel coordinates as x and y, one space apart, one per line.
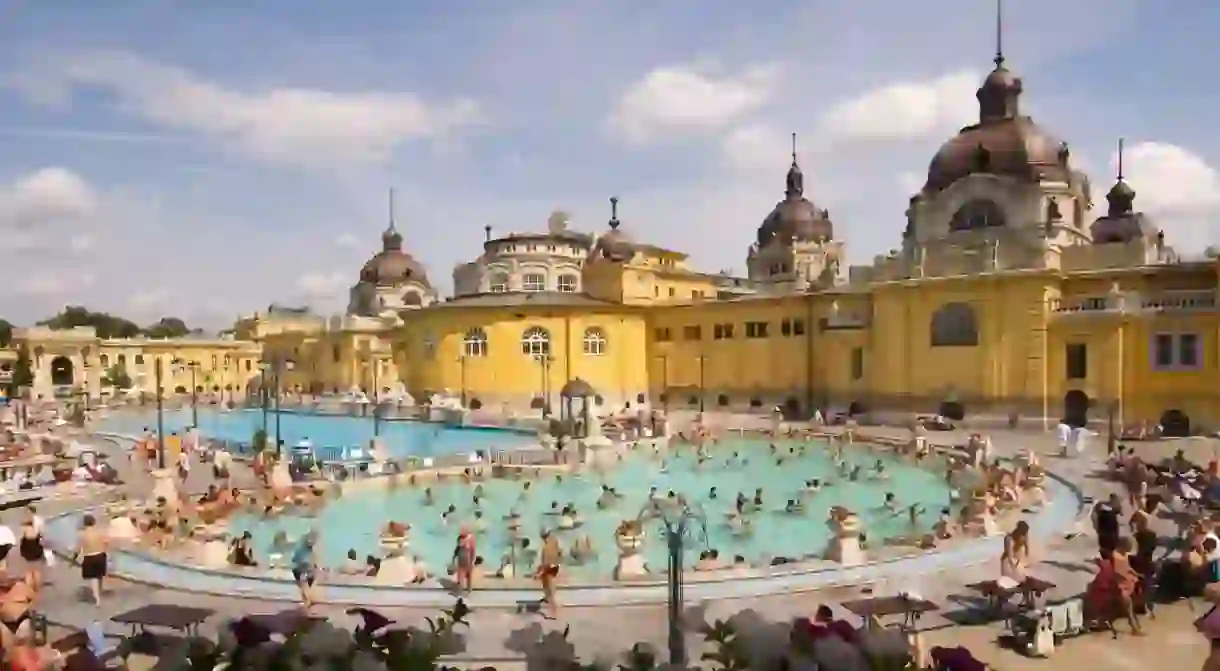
43 197
151 299
324 285
691 100
903 110
1179 189
288 125
348 241
757 147
56 283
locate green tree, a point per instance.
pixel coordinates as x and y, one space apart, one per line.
107 325
168 327
23 372
117 377
6 333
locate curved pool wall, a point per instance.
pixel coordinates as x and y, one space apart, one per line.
329 433
1066 504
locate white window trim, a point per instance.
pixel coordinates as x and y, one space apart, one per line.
594 342
567 284
526 285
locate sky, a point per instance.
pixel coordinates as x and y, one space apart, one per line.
203 160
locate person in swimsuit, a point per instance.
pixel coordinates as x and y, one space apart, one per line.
92 555
7 540
548 570
305 569
15 612
30 546
463 560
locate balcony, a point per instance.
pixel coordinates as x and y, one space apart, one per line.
1132 302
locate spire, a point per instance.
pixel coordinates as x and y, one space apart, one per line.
796 179
391 239
1000 93
999 34
614 222
1121 196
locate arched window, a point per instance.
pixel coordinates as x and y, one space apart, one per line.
954 325
475 342
594 342
977 214
567 283
536 341
499 283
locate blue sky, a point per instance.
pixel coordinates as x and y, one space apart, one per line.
206 159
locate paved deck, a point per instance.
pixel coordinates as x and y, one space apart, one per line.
503 637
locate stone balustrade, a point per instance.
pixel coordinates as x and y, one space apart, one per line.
1136 303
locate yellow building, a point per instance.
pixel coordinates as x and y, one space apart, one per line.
75 361
1001 298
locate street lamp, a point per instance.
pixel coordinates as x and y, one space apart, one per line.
677 517
160 413
193 366
462 379
544 362
375 364
664 382
1111 438
702 391
277 366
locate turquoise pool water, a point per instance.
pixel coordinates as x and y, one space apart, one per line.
355 520
401 438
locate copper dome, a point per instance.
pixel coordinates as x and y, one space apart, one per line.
795 218
1003 142
392 266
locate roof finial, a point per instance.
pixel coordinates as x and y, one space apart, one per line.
487 232
614 212
999 33
794 149
392 227
1120 159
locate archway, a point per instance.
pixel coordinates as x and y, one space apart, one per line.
792 408
63 373
537 403
1175 424
475 404
953 410
1076 408
855 408
722 400
180 389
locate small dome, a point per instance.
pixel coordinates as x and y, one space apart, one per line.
613 245
392 266
577 388
795 218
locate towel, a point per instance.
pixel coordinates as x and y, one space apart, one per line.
1006 583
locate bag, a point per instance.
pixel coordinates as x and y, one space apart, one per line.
1209 624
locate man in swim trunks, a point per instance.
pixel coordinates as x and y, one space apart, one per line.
92 555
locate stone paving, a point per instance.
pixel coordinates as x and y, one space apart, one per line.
503 637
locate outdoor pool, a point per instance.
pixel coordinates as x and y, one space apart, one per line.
401 438
355 520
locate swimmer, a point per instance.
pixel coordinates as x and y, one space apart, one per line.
449 512
429 499
891 503
878 471
855 474
813 486
913 512
712 494
758 498
794 507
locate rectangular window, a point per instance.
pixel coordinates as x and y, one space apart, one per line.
533 282
723 332
1162 351
785 328
662 335
1188 350
567 284
756 329
139 359
798 327
692 332
857 363
1076 357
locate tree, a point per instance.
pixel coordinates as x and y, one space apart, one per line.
23 372
107 325
6 333
117 377
168 327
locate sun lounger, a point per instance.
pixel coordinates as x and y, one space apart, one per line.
1064 620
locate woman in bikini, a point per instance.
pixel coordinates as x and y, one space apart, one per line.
30 546
463 560
549 560
15 612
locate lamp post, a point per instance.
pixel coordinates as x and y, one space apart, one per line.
157 374
276 366
462 376
1111 438
676 517
193 366
376 363
702 390
262 392
664 382
544 362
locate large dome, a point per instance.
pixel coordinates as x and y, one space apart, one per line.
392 266
614 245
795 218
1003 142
